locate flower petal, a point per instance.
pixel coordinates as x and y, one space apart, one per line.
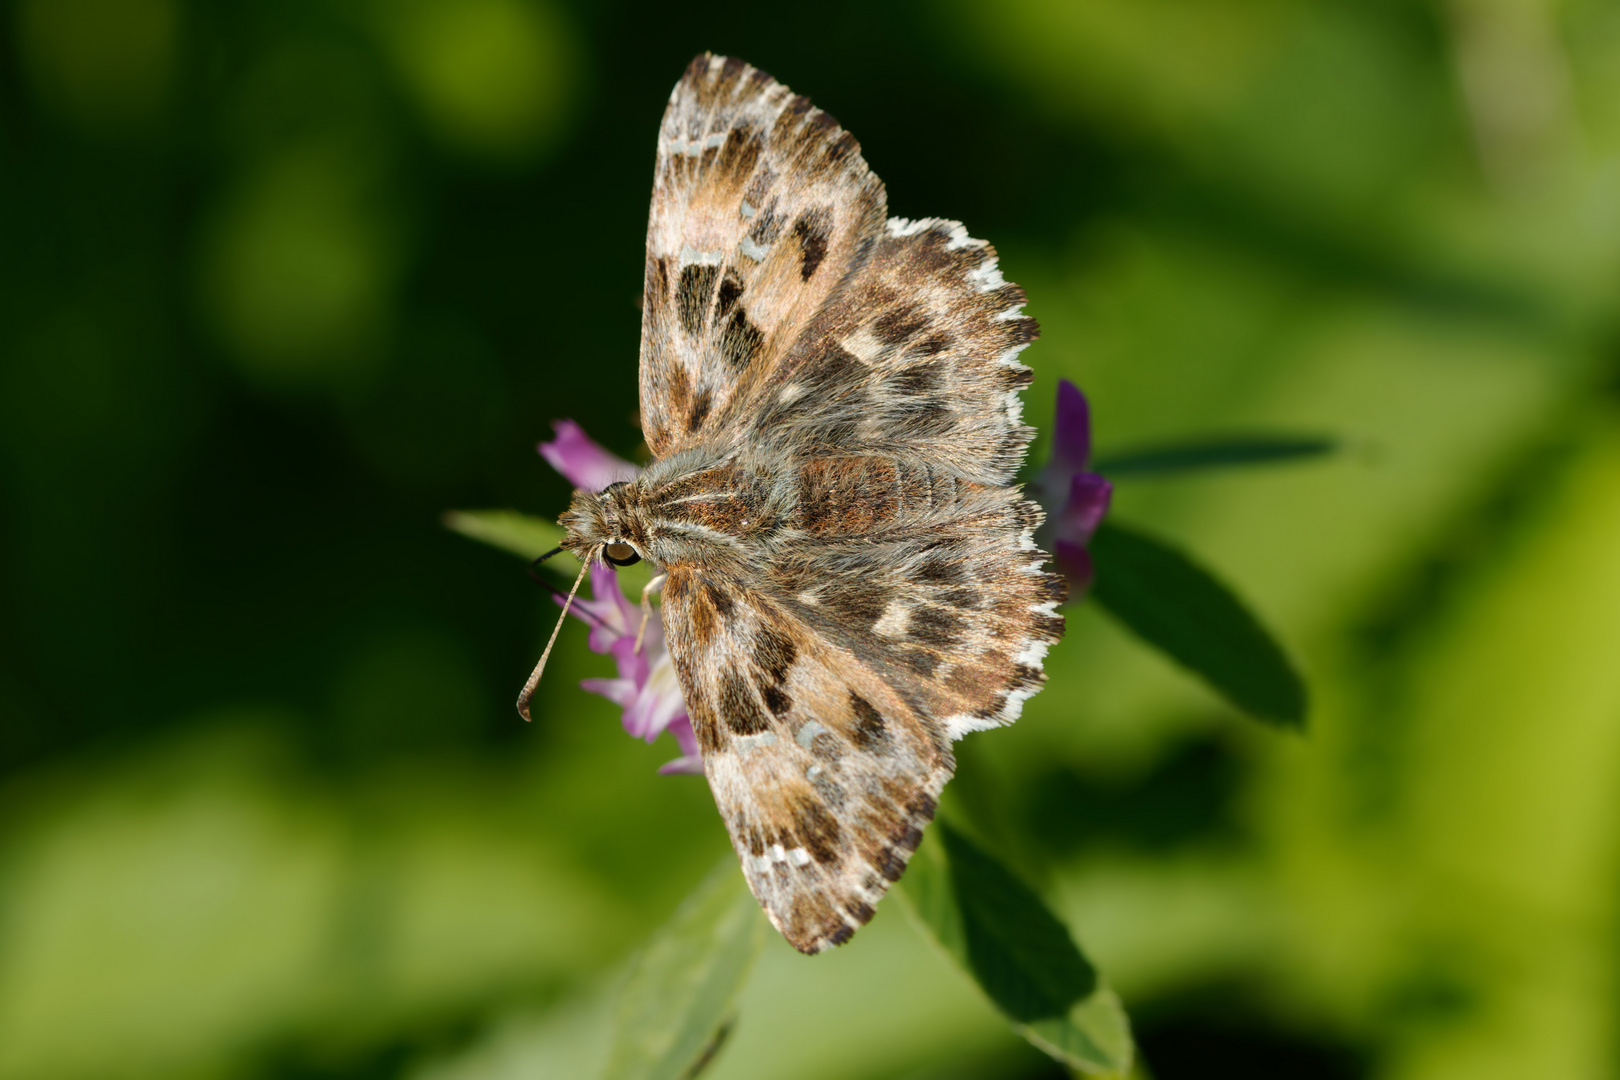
610 615
1075 562
691 761
621 692
583 463
690 765
1071 429
681 728
659 704
1089 495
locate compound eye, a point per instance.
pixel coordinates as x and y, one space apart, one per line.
621 555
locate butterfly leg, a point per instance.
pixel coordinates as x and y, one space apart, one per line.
646 606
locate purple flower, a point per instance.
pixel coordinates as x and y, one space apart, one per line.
646 687
1075 499
583 463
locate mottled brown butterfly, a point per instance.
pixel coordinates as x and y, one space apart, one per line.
850 580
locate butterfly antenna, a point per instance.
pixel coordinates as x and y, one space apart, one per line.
534 567
534 676
534 573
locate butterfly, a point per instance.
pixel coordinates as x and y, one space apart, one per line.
849 575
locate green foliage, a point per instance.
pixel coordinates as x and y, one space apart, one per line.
1018 952
530 537
1212 454
678 1001
1180 607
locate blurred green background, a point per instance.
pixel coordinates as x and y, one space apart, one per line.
283 280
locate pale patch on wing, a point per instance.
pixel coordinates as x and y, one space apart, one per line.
896 617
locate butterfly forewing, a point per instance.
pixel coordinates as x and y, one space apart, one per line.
762 206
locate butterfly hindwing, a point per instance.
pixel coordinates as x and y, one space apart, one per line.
824 774
918 356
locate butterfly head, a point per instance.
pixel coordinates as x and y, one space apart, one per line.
605 525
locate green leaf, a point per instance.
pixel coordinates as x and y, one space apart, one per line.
678 1001
532 537
1020 953
1213 454
1183 609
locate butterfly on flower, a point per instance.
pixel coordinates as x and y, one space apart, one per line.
849 572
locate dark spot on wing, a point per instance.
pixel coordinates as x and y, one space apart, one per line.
870 732
740 341
700 410
817 830
812 230
776 700
719 598
919 661
966 599
897 325
918 379
739 708
740 152
934 344
855 602
775 653
935 626
730 289
941 569
692 295
841 935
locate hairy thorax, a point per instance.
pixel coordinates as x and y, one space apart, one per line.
690 510
705 510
